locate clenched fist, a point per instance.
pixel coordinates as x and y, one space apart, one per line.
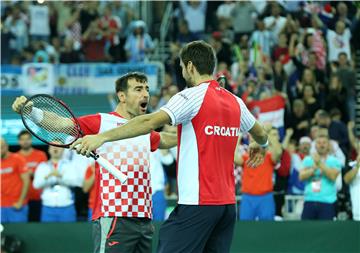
19 103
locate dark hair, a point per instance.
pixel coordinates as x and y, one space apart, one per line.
323 114
342 53
201 54
23 132
121 84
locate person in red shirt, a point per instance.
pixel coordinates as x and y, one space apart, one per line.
257 200
209 120
88 187
32 157
15 180
93 43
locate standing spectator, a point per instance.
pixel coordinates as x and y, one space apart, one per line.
195 10
88 12
111 26
338 41
15 24
184 35
257 186
347 78
39 22
68 54
311 103
15 181
281 50
275 22
222 48
224 13
64 11
261 43
352 178
32 157
138 43
243 21
336 97
125 12
94 43
55 177
319 173
298 120
337 130
157 159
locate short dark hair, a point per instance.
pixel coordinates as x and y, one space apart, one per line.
121 84
23 132
201 54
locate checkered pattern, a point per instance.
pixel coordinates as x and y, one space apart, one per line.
133 198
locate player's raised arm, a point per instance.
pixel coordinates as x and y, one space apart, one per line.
41 117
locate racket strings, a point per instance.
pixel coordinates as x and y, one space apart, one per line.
57 125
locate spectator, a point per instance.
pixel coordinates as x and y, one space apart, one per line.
281 50
32 157
224 13
6 51
39 22
338 41
337 130
87 13
89 187
347 78
184 35
243 21
280 77
15 24
352 178
125 12
73 30
111 27
195 10
354 141
261 43
93 42
138 43
275 22
257 200
295 186
222 48
311 104
56 177
319 173
68 54
15 180
157 159
64 10
336 97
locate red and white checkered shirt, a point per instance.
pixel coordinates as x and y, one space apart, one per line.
131 156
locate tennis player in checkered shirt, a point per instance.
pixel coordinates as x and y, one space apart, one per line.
209 120
122 213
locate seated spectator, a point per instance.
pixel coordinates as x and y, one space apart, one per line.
93 43
15 180
138 43
257 201
56 177
319 174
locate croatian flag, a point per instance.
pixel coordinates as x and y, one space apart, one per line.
270 110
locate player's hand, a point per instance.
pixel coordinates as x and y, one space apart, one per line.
17 205
19 103
84 146
256 155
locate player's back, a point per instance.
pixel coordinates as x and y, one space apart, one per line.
207 146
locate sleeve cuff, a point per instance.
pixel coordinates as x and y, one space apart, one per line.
171 115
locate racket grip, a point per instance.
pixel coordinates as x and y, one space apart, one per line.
112 169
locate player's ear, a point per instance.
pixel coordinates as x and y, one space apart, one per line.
189 67
121 96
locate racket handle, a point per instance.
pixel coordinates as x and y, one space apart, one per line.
112 169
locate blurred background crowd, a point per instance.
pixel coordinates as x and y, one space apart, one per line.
294 63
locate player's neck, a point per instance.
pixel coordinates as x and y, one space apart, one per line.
121 110
201 79
26 151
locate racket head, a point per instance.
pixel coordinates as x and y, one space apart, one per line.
55 111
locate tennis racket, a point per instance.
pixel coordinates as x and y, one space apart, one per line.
52 122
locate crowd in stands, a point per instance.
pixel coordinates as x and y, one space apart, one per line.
298 55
